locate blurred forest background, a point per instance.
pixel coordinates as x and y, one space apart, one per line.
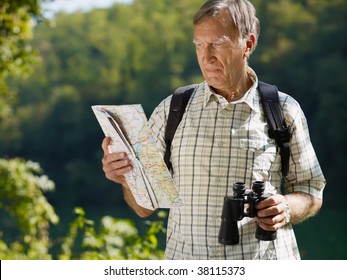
54 199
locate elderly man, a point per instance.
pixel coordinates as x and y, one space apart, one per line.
223 138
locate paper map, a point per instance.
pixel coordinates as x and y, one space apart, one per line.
149 181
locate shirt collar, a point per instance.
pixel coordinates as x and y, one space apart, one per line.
251 98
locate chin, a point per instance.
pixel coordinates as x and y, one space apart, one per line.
215 83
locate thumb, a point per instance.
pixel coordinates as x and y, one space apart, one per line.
105 143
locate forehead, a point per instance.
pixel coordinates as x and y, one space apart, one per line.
220 25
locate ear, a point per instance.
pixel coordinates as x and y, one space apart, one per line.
250 44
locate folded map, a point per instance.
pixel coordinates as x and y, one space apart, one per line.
149 180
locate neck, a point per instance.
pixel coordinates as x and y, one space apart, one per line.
237 90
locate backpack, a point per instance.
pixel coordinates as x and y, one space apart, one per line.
278 130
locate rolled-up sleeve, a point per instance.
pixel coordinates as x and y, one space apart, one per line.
305 173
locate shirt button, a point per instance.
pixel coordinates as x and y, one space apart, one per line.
221 144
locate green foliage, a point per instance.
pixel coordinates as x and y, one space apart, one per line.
90 58
138 53
22 187
22 198
115 239
17 56
16 32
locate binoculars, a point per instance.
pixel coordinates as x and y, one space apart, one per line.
234 210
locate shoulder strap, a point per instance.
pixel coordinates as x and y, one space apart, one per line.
278 130
178 105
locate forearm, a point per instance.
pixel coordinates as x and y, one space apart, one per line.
115 166
130 200
302 206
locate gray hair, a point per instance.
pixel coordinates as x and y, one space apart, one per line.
242 13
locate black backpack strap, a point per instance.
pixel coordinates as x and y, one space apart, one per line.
278 130
178 105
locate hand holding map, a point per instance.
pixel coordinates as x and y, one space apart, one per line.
149 180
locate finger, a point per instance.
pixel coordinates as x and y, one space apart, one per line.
278 219
115 170
273 222
117 175
105 143
115 161
270 201
270 211
269 227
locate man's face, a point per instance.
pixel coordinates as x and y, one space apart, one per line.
220 52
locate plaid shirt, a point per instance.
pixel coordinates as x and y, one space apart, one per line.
218 143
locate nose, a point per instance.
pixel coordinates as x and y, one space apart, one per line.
208 54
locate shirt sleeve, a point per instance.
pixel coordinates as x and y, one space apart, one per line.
305 174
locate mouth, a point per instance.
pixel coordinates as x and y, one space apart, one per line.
212 72
212 69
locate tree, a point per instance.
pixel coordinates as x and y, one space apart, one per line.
23 206
17 55
21 183
26 215
139 53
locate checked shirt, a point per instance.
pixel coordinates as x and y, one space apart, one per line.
217 144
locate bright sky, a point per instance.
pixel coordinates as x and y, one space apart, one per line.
73 5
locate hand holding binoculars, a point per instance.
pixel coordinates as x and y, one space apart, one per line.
234 210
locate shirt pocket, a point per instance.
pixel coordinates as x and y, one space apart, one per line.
256 153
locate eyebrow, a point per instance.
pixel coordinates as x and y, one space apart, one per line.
219 40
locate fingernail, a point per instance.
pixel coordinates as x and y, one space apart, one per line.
109 149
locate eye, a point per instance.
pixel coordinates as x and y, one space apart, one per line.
198 45
218 44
